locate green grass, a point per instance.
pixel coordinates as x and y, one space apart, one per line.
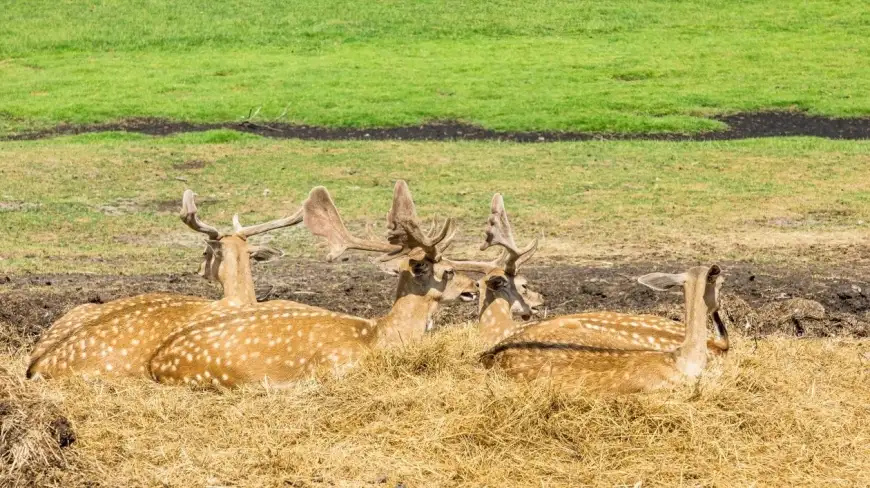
567 65
108 202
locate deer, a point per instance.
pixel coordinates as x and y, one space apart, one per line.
555 350
119 337
594 329
279 345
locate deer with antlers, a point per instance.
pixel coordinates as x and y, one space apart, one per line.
121 336
269 342
614 351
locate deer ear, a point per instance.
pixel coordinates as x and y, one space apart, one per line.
265 254
662 281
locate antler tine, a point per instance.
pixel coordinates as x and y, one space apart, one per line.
471 266
498 229
188 216
322 219
444 243
266 226
499 233
404 228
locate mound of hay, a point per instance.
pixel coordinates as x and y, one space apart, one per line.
802 317
32 434
784 412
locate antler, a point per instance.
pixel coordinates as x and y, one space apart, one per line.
499 233
404 229
188 216
267 226
322 219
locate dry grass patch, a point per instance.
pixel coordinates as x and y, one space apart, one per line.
789 412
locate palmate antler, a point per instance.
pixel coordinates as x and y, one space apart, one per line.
189 216
404 229
404 235
499 233
322 219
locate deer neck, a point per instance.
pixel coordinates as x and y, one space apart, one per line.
691 356
236 278
496 319
407 321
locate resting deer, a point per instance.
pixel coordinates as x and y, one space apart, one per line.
279 344
555 349
506 292
119 337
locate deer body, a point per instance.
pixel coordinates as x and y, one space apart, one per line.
120 337
562 351
279 343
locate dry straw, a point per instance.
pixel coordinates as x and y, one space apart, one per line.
784 412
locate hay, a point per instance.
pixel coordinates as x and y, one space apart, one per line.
32 434
791 412
803 317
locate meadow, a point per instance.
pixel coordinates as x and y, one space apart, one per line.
646 67
93 217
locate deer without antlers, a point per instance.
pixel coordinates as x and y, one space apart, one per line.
271 342
119 337
595 347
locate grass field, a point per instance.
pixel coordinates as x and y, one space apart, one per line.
645 66
88 203
94 217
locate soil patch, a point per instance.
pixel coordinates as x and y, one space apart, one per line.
758 299
740 126
191 164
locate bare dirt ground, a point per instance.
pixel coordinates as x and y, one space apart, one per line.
740 126
762 299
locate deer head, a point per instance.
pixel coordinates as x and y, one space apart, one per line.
227 257
460 287
415 255
500 280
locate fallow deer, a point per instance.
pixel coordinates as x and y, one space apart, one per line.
121 336
279 345
594 329
555 349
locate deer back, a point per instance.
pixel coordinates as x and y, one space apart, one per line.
115 338
276 341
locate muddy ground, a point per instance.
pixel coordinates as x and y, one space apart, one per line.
757 299
740 126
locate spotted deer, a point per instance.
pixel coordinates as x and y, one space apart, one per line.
559 350
119 337
496 310
505 292
276 344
